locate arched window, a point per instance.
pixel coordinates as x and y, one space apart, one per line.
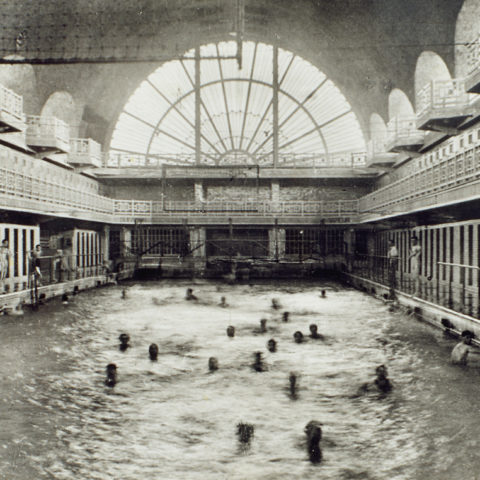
237 111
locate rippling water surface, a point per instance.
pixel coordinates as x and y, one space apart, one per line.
173 420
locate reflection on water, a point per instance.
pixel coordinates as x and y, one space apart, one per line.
172 419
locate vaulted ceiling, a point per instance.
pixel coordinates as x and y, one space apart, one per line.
366 47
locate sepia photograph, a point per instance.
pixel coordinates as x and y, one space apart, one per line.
239 239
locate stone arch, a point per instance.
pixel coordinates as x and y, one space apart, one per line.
430 66
378 128
63 106
399 104
467 30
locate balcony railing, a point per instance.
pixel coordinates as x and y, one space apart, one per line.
85 151
292 160
377 153
473 56
438 171
48 133
442 99
11 103
153 209
402 134
473 66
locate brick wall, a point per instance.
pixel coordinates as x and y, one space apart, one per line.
242 191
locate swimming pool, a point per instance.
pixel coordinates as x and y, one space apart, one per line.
174 420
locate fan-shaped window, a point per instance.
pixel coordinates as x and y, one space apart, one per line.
224 115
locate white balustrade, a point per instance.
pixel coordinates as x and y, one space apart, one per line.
85 151
438 170
402 130
473 55
48 132
11 103
442 96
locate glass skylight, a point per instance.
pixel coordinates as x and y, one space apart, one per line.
157 125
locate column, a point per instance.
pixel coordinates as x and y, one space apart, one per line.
197 242
198 191
125 241
105 244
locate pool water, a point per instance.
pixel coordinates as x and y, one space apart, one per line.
172 419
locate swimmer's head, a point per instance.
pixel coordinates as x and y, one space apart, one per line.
272 345
124 338
275 304
231 331
285 316
467 336
212 364
381 371
313 329
111 369
323 293
245 432
298 336
153 351
263 325
258 357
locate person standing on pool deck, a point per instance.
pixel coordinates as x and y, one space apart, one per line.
392 257
5 256
415 254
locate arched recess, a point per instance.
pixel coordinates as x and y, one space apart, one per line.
467 30
430 66
22 80
378 128
63 106
399 105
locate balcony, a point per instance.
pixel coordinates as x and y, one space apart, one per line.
12 118
442 105
472 83
48 135
85 152
403 136
377 155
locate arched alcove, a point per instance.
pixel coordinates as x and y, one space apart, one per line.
399 105
378 128
22 80
63 106
467 30
430 66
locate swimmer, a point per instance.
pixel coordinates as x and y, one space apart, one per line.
223 302
293 385
276 304
153 352
460 352
65 299
111 379
230 331
124 339
245 432
323 294
212 364
298 337
272 345
382 382
124 293
313 430
263 325
314 333
285 316
189 295
258 364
